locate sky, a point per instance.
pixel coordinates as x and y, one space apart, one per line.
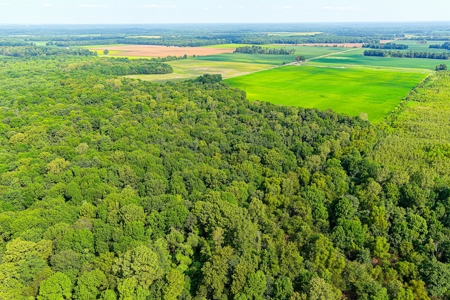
221 11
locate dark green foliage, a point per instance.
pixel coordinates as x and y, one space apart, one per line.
386 46
32 51
445 45
441 67
264 50
112 188
410 54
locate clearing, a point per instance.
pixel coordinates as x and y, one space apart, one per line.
190 69
351 90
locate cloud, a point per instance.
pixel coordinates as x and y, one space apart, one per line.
5 4
286 7
91 5
47 5
158 6
341 8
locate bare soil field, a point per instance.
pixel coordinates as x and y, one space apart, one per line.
161 51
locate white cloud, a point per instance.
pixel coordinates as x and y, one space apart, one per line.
157 6
286 7
5 4
91 5
342 8
47 5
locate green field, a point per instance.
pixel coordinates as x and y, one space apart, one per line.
414 46
248 58
350 91
40 43
190 69
308 51
356 58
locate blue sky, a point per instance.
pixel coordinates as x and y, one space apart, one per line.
210 11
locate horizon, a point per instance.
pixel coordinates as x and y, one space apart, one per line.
119 12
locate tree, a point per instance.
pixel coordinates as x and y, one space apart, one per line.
106 52
56 287
441 67
321 290
90 284
140 264
300 58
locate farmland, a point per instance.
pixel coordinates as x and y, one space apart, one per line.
338 78
356 58
340 89
189 69
231 64
307 51
159 51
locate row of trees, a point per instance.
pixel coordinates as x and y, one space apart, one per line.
386 46
264 50
409 54
214 39
445 45
7 43
33 51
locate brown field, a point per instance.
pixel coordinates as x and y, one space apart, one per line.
161 51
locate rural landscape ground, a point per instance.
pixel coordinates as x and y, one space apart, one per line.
225 161
334 76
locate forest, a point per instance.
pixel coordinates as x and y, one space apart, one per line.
27 51
118 188
114 188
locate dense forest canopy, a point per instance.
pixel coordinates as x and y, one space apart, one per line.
115 188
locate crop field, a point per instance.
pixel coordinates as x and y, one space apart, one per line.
356 58
159 51
307 50
415 46
248 58
350 91
189 69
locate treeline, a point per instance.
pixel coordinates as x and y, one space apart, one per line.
386 46
446 45
15 44
409 54
213 39
33 51
170 42
125 66
264 50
